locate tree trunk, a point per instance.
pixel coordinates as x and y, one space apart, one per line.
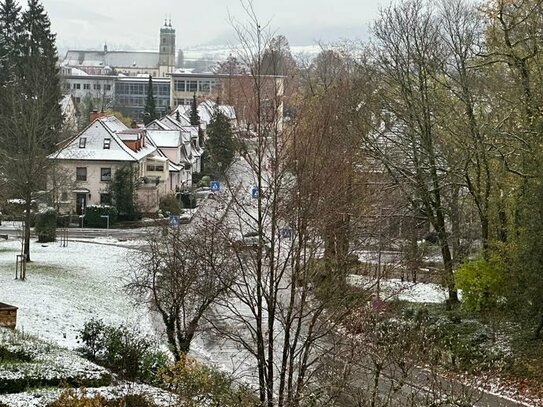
539 329
27 221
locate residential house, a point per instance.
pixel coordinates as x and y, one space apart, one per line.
86 164
181 122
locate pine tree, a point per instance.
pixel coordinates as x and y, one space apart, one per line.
220 142
29 99
194 116
10 39
149 112
39 71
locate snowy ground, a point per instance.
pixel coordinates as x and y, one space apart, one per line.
402 290
66 286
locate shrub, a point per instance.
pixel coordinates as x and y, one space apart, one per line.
170 205
46 225
481 283
200 385
123 351
94 213
71 398
204 181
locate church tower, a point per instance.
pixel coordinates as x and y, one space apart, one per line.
166 60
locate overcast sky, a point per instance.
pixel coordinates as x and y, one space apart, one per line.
135 24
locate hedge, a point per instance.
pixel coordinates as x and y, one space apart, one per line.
46 225
94 213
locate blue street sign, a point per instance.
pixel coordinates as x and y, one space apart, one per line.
174 221
254 192
215 186
286 233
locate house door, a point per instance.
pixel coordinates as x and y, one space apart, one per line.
81 203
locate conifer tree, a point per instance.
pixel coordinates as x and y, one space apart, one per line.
39 68
149 112
194 116
220 141
10 39
29 99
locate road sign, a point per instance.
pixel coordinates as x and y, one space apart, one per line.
286 233
215 186
173 222
254 192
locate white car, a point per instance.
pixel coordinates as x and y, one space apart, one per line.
203 192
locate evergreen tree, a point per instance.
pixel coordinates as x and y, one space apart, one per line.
29 99
149 112
220 142
40 74
194 116
10 39
123 192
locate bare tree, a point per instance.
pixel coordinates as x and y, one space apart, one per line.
409 55
182 274
26 139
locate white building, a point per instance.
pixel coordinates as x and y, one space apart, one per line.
86 164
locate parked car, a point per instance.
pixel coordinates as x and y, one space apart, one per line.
203 192
185 218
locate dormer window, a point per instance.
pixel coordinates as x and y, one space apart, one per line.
107 143
82 142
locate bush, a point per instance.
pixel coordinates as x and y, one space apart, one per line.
481 283
94 213
169 205
200 385
123 351
71 398
46 225
204 181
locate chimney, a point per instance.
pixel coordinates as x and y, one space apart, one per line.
95 114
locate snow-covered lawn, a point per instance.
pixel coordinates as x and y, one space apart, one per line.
402 290
67 286
43 397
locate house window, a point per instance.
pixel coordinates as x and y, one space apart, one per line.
86 86
107 143
105 199
107 87
155 166
179 85
77 86
64 196
82 142
105 174
97 86
192 86
81 173
77 100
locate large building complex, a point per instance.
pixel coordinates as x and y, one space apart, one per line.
118 80
132 63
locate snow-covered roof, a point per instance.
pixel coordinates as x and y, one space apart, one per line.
93 149
174 167
120 59
165 138
182 112
77 72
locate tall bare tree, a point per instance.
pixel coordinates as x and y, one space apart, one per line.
409 55
182 274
